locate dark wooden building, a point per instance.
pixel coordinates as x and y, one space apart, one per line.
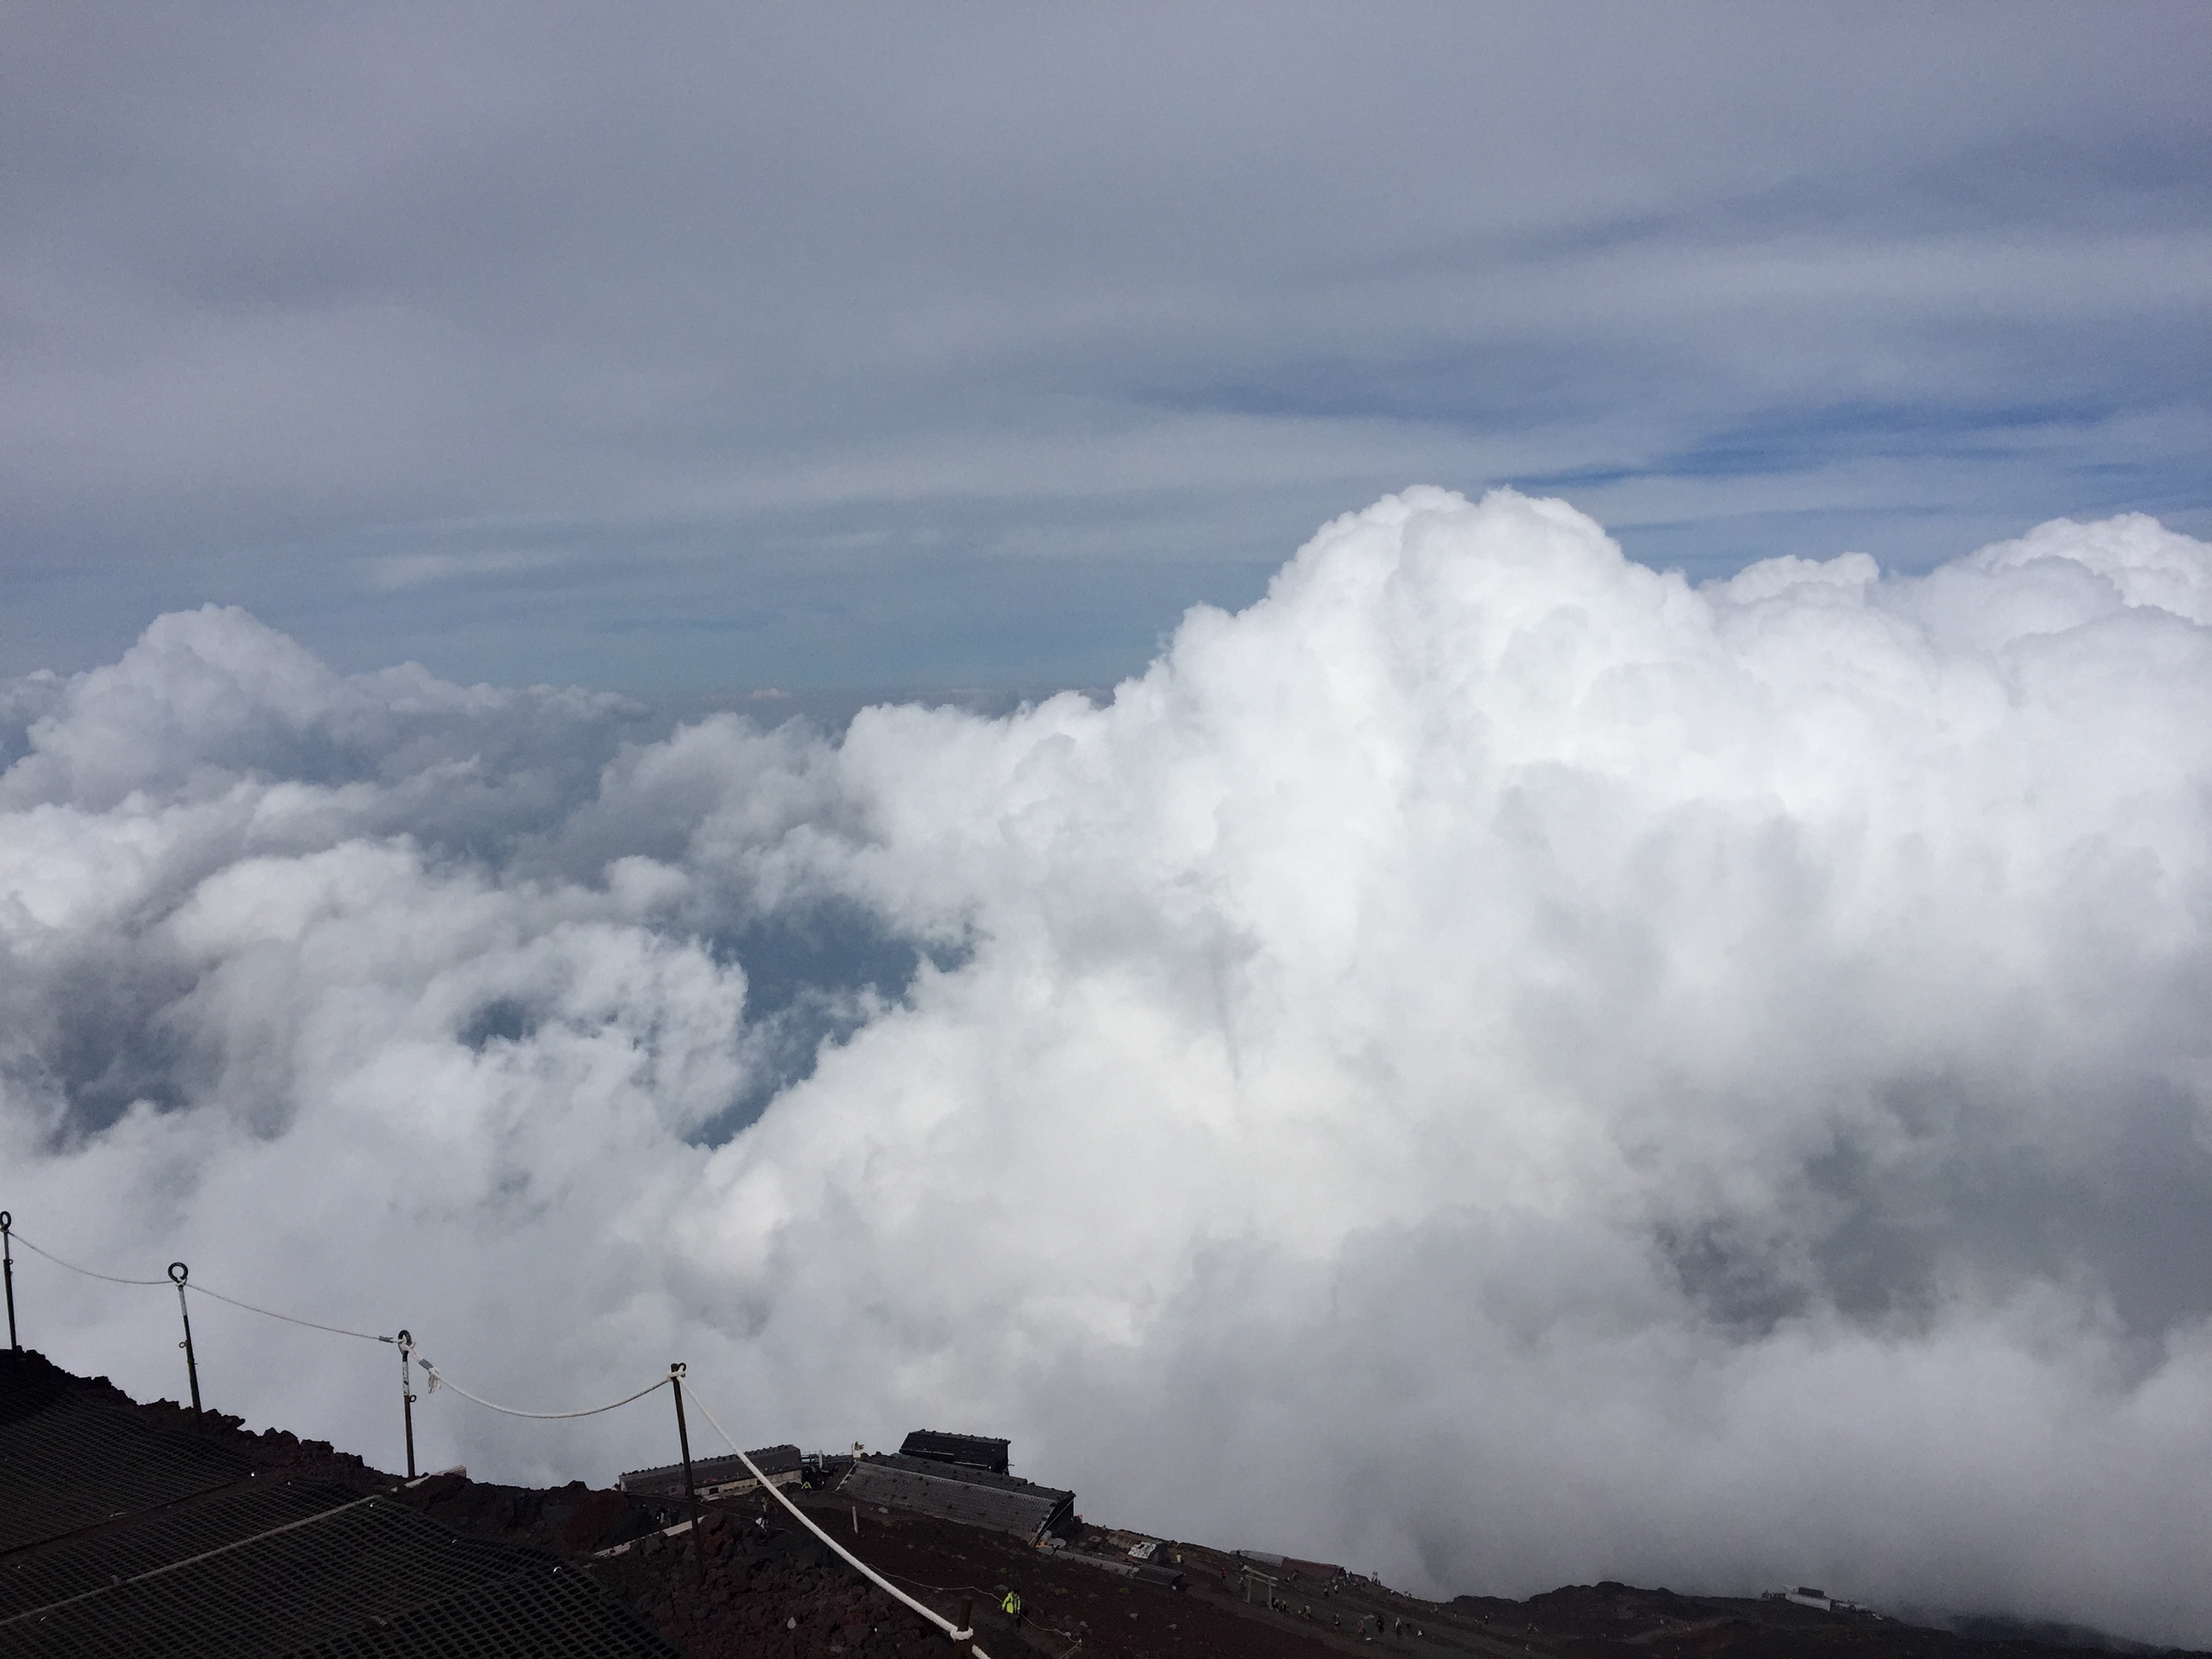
716 1477
971 1450
955 1492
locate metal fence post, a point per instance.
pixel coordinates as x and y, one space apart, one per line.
407 1397
8 1255
675 1374
178 1274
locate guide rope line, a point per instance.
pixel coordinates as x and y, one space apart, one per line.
438 1378
270 1313
202 1290
807 1521
112 1279
431 1371
978 1590
945 1589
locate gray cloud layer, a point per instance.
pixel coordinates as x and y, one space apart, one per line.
839 347
1492 1063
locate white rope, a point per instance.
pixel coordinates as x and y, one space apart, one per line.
807 1521
73 1268
437 1377
268 1313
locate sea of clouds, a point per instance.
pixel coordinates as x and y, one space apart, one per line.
1494 1065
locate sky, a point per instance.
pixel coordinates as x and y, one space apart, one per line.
1599 970
712 348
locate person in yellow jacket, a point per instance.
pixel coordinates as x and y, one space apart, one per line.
1013 1607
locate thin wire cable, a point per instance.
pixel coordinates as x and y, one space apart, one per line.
270 1313
942 1589
111 1277
202 1290
432 1371
977 1589
438 1377
807 1521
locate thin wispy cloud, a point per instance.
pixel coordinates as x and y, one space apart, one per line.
731 308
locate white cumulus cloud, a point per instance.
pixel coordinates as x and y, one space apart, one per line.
1493 1064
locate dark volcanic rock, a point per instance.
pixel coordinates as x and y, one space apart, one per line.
754 1583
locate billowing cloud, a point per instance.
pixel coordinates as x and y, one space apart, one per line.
1492 1064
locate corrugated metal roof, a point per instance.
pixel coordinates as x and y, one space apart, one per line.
727 1473
1150 1573
976 1449
1291 1564
975 1497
